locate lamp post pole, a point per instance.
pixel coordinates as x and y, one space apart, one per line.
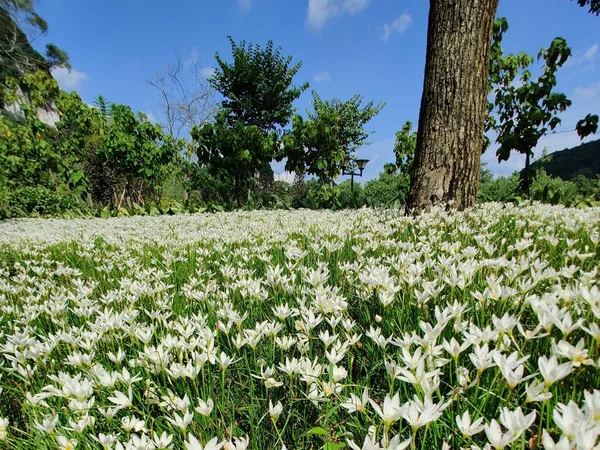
349 167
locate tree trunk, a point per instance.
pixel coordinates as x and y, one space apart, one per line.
453 105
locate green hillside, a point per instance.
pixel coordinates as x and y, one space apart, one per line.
567 164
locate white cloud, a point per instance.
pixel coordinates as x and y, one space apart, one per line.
288 177
583 59
355 6
244 5
69 80
207 72
400 25
322 77
320 11
588 92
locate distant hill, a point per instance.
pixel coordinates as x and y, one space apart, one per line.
567 164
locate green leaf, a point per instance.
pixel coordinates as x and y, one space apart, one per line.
317 431
333 446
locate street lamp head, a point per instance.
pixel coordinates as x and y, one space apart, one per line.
346 162
361 163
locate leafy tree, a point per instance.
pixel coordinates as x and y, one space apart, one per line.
453 112
525 108
233 151
19 24
135 150
593 5
334 131
258 92
27 156
311 147
257 86
404 150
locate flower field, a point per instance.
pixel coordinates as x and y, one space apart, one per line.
302 330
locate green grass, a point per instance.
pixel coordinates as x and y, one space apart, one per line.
174 294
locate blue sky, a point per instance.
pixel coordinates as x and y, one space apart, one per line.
375 48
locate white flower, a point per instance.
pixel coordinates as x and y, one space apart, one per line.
391 411
537 392
495 435
275 411
549 444
122 400
237 444
3 428
515 421
105 440
204 407
66 444
193 444
354 403
367 445
181 421
162 441
466 427
552 371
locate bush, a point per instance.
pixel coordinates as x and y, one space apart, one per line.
387 189
500 189
38 201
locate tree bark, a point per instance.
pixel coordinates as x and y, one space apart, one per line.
453 105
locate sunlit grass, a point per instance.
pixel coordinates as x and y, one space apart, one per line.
365 327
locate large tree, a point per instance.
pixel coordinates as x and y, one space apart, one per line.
19 25
257 86
258 90
525 108
593 5
453 105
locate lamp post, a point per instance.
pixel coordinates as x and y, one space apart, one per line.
349 167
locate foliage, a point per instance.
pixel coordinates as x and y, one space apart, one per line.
233 151
311 147
524 108
352 117
135 150
335 130
16 53
387 190
404 150
257 86
578 192
593 5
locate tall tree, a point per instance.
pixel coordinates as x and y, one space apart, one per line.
233 153
453 105
258 91
19 25
525 108
334 131
404 150
257 86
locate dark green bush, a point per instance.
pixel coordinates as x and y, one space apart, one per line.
39 201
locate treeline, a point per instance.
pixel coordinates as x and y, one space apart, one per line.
105 159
